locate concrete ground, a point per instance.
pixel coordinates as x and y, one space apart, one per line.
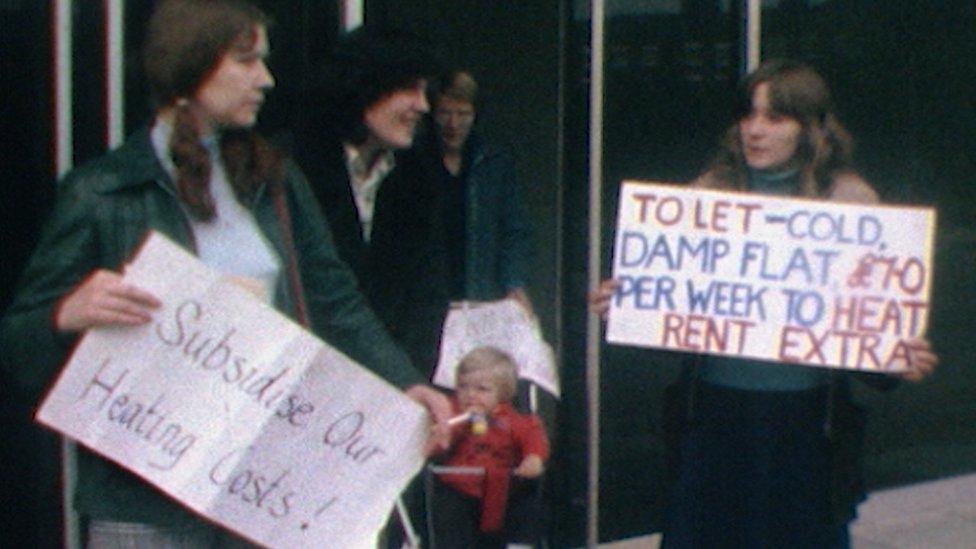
933 515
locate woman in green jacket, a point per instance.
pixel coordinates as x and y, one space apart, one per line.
201 176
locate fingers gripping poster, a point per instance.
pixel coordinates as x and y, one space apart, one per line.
779 279
239 414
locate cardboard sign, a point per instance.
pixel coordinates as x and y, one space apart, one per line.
778 279
238 413
501 324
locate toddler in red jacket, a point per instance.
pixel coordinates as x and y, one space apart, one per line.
481 510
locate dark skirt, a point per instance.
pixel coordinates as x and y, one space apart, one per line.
753 472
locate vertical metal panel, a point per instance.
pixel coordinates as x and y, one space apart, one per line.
63 153
351 14
593 272
558 302
752 38
63 146
114 72
69 474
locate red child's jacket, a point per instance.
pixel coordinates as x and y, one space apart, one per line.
510 437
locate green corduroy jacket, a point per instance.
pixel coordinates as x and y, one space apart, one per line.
102 213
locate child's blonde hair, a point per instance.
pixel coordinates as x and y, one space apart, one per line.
498 363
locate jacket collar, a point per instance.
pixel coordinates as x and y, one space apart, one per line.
135 163
476 149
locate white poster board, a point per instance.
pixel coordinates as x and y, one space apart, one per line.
778 279
504 325
238 413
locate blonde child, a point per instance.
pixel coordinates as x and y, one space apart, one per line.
483 510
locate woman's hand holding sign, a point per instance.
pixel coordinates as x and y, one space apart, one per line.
599 299
103 299
922 360
439 408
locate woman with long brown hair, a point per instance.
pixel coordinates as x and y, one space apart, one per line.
200 175
785 124
769 456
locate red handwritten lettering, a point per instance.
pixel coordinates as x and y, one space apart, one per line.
877 315
703 333
856 350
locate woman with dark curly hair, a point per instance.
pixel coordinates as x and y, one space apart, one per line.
361 119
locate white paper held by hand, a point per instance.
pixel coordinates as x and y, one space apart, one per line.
238 413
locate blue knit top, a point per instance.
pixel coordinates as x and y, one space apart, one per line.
757 375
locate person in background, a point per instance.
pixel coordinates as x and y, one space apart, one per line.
360 121
489 509
201 176
769 456
483 227
482 232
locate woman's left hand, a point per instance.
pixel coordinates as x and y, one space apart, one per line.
922 360
522 298
439 408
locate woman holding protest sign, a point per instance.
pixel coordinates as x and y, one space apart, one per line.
769 456
200 175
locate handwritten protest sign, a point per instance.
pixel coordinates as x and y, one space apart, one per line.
786 280
502 324
238 413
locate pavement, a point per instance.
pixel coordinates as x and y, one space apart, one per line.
939 514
